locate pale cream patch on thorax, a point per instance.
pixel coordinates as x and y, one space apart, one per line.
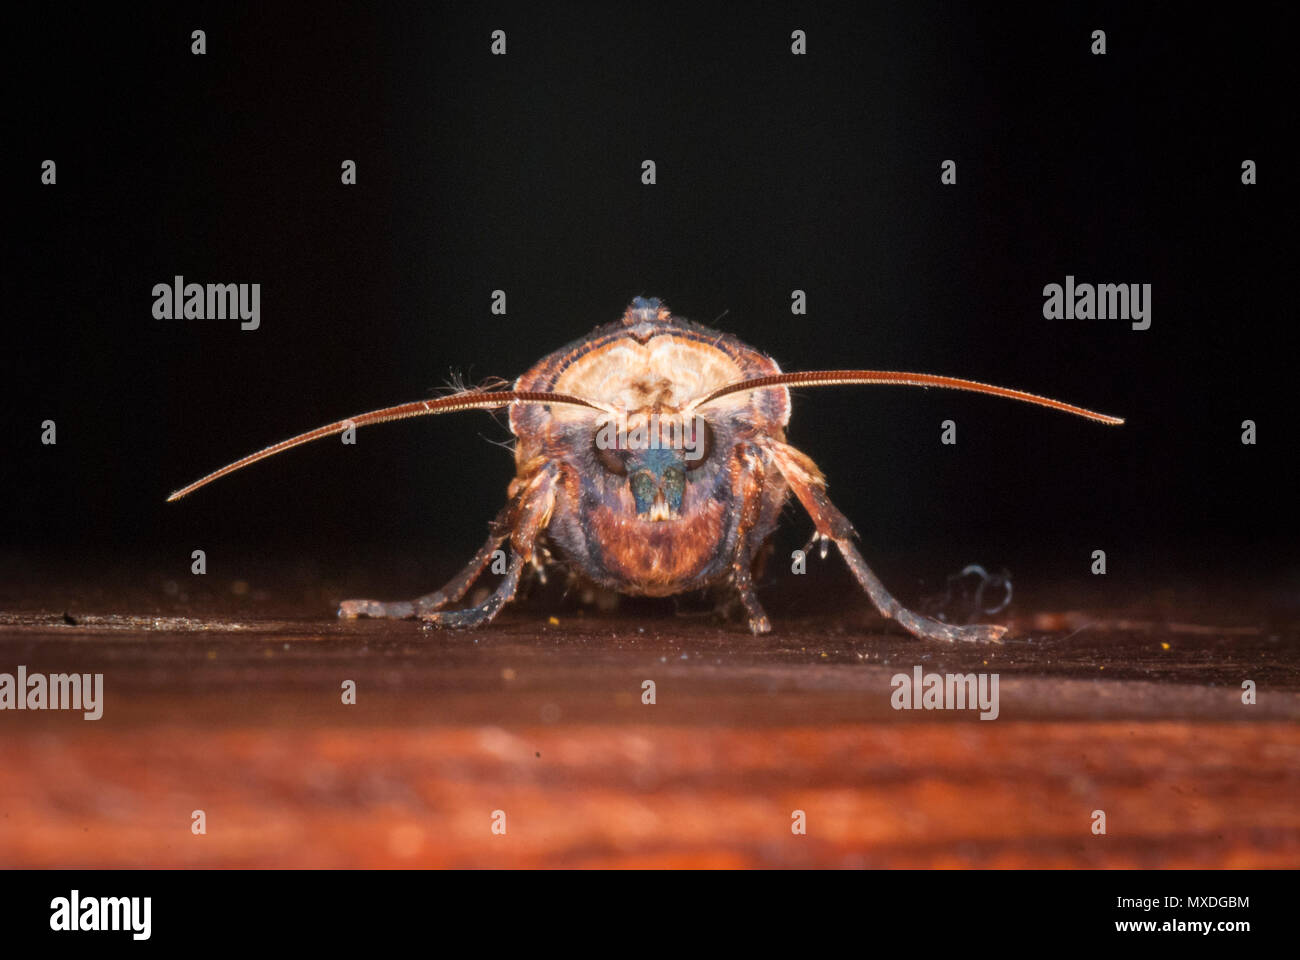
664 373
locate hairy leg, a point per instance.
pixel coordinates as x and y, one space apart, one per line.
747 487
914 623
522 521
485 611
533 505
810 488
450 592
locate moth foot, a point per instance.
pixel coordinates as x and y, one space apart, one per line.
457 619
928 629
352 609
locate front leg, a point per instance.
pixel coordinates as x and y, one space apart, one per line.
450 592
810 487
485 611
522 521
535 499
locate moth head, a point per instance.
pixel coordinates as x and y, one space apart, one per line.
658 454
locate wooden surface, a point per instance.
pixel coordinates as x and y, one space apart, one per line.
229 702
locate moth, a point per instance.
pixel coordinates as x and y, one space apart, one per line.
651 459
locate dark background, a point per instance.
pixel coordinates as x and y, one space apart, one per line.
775 172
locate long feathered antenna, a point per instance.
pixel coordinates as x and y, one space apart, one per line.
465 400
830 378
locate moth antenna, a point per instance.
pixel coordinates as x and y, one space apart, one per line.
830 378
468 400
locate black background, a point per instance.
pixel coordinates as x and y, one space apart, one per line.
775 172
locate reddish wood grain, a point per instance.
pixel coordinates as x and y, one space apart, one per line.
238 714
931 795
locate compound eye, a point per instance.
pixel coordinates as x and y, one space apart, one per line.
611 457
698 445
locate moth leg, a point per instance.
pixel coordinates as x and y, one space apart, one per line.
747 485
450 592
485 611
758 620
915 624
533 505
809 487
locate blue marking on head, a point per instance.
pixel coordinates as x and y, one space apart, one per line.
657 473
